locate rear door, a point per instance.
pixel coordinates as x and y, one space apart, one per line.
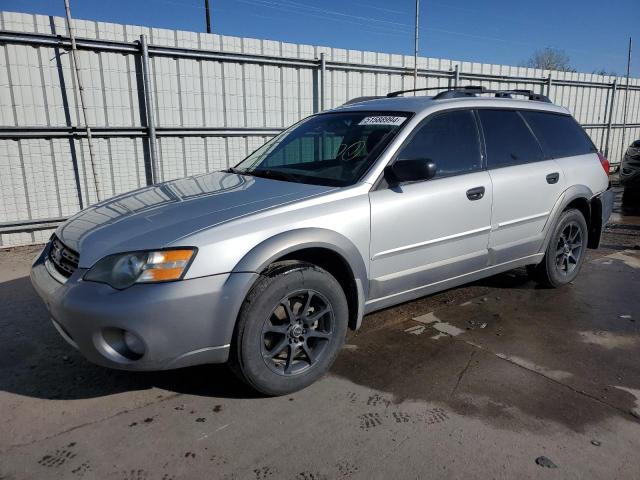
564 140
526 186
428 231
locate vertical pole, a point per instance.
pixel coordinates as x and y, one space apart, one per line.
614 86
626 100
76 68
323 79
606 112
207 13
415 51
151 117
549 83
456 78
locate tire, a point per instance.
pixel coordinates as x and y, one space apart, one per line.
566 251
294 308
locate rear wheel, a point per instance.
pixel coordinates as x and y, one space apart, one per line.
566 251
290 328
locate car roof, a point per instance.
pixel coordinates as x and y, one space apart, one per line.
419 104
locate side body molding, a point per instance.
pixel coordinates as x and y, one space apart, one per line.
265 253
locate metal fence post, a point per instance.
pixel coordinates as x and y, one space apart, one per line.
549 82
626 103
323 79
614 86
150 111
456 78
76 69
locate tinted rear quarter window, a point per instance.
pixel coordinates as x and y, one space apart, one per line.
559 135
508 139
450 140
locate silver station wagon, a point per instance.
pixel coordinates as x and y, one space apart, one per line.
380 201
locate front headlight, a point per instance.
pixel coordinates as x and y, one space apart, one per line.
122 270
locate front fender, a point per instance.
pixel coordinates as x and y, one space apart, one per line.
273 248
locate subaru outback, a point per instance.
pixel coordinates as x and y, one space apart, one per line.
378 202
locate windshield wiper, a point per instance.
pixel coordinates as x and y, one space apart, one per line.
265 173
276 175
237 171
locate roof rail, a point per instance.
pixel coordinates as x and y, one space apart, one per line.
400 92
361 99
472 91
459 92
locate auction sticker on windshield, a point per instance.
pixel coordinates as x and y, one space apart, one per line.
382 120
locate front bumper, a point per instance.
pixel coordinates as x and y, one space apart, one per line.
180 323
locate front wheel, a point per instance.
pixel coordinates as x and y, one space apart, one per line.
290 328
566 251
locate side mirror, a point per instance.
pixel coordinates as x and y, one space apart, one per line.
410 171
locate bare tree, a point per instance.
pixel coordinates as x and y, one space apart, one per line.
550 59
603 71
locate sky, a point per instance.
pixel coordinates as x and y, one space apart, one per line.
593 33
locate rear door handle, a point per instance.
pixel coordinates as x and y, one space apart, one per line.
475 193
553 178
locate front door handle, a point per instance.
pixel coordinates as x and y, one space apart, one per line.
553 178
475 193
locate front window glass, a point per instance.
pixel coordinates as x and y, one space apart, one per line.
450 140
328 149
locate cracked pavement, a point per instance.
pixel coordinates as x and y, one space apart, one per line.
478 381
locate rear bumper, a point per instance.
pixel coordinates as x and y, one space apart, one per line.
179 323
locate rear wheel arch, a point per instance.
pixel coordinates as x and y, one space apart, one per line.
575 197
581 204
591 209
566 249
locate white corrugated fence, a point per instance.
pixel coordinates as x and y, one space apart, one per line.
214 100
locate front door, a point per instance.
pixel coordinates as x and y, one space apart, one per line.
425 232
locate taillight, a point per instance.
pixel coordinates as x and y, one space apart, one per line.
604 162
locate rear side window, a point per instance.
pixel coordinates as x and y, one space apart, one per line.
508 139
448 139
559 135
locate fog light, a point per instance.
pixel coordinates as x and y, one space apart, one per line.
119 345
134 343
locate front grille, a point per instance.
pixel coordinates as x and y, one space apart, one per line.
63 258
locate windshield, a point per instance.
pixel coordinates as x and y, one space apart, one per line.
328 149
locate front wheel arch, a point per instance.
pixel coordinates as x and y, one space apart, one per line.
320 247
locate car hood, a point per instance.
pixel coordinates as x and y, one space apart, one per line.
159 215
